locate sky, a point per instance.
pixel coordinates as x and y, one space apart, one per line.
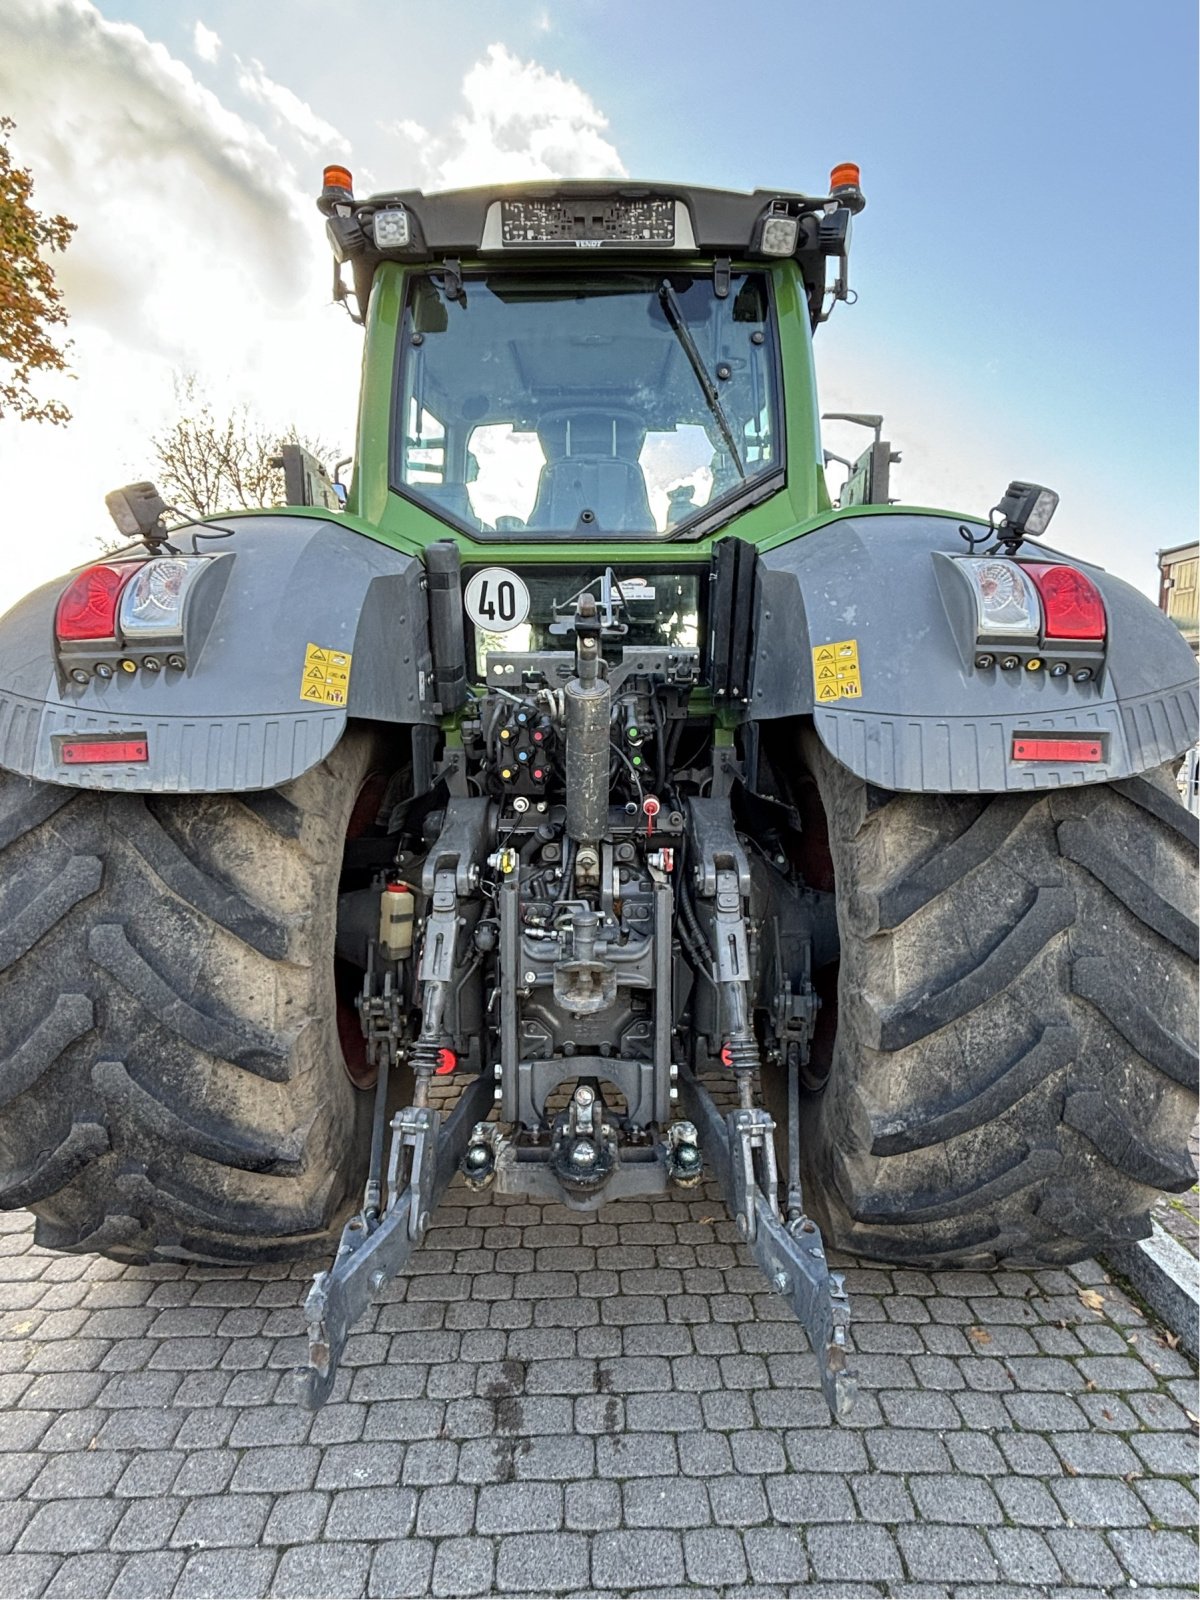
1025 268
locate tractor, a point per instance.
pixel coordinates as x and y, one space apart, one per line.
581 802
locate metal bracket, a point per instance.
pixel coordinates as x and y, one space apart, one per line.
739 1145
424 1157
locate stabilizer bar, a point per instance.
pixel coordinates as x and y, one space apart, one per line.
374 1249
740 1149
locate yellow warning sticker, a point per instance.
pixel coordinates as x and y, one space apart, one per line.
325 680
836 672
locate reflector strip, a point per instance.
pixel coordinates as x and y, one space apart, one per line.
81 752
1029 749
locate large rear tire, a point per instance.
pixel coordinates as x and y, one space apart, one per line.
1014 1072
171 1084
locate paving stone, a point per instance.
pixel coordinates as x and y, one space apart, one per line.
519 1508
1173 1455
714 1557
1030 1454
1023 1556
637 1560
1027 1503
1099 1503
636 1455
775 1555
359 1466
809 1497
26 1575
276 1470
326 1570
446 1509
1168 1502
866 1554
147 1573
1045 1413
948 1555
882 1497
148 1524
370 1514
907 1450
560 1457
1156 1557
1101 1454
543 1563
222 1520
70 1527
461 1567
968 1502
826 1450
205 1472
665 1503
738 1502
78 1476
84 1576
1084 1557
296 1519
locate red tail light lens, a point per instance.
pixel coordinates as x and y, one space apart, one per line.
1071 602
87 608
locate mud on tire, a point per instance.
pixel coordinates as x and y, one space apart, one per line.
171 1085
1014 1075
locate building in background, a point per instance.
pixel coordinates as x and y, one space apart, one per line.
1177 589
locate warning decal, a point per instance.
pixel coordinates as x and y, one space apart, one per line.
836 673
325 680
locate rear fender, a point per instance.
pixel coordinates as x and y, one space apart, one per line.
926 718
235 718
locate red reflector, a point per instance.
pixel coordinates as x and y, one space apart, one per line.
1026 749
447 1061
87 607
1072 603
79 752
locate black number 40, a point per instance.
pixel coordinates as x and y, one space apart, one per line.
504 606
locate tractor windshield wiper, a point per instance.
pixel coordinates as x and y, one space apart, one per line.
670 304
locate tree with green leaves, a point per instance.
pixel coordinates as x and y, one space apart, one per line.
31 303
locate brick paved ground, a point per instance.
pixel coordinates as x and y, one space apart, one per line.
550 1405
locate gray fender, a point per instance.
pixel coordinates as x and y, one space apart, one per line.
927 720
234 719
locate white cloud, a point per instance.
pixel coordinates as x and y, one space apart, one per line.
296 116
197 249
521 122
205 42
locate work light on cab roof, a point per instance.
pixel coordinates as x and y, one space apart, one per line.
616 218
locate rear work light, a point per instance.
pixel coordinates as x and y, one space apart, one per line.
1071 601
87 607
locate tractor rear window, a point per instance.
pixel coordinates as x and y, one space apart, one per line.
612 405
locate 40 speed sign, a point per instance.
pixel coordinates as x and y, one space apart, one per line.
497 599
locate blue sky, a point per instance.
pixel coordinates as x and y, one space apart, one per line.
1026 264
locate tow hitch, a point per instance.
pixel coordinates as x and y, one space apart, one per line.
427 1150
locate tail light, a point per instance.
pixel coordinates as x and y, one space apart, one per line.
1071 601
87 607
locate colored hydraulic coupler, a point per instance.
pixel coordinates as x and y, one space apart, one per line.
588 716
